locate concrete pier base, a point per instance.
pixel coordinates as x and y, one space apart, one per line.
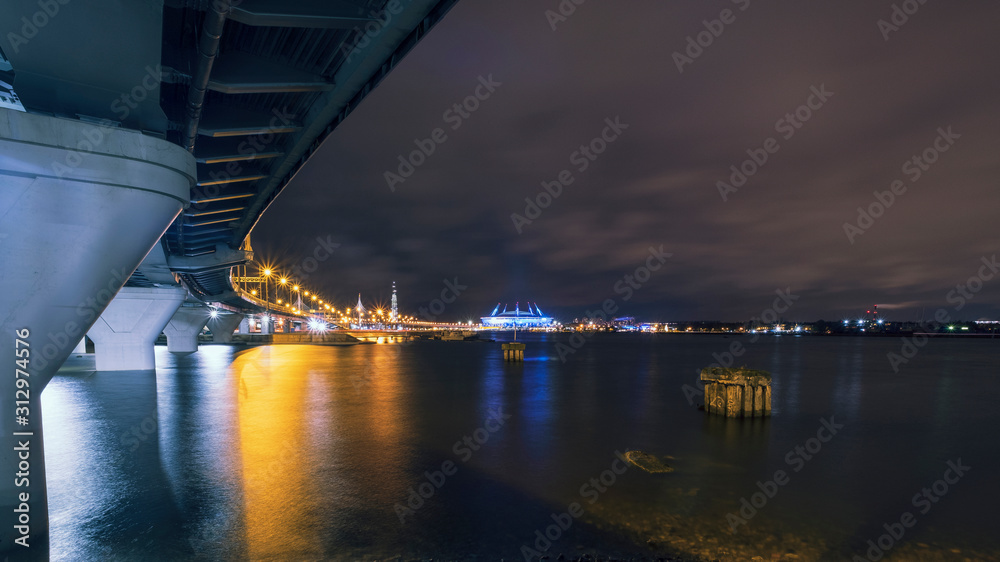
737 393
125 334
223 325
513 351
82 205
183 328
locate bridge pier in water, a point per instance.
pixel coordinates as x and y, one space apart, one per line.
81 347
737 393
513 351
125 334
68 191
183 328
223 325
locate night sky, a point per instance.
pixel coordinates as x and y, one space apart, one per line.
657 184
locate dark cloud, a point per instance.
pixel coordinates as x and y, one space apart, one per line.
656 184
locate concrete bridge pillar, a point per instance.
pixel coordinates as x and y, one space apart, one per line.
81 205
245 325
81 347
222 326
125 334
182 330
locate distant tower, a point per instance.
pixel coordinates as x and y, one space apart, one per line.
360 308
872 315
395 308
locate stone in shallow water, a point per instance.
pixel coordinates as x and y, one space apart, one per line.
647 462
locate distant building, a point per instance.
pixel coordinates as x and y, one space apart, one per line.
624 323
530 318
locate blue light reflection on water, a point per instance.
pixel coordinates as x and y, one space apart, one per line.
178 465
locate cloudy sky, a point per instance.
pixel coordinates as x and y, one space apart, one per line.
927 88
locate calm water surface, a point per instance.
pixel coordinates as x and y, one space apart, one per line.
308 452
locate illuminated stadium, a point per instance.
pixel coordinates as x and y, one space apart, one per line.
532 318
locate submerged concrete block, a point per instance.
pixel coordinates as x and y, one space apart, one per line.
737 393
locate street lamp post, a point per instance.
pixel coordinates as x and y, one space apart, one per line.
267 305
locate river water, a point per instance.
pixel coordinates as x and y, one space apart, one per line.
310 452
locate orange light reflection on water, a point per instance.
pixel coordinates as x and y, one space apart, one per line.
273 434
322 435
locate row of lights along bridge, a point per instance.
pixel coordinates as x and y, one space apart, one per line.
290 298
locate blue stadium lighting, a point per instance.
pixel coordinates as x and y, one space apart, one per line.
532 318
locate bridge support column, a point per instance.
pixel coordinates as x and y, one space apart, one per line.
81 205
222 327
125 334
81 347
245 325
182 330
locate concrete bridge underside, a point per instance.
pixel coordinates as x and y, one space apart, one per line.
124 196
